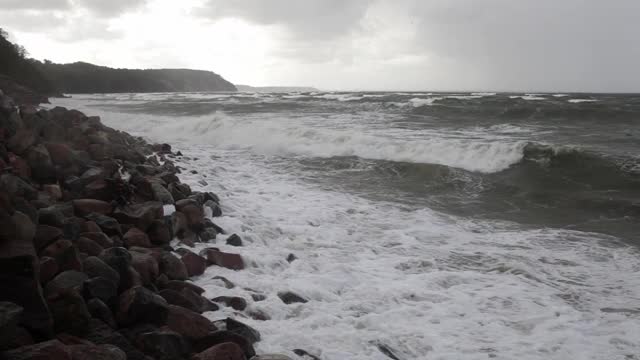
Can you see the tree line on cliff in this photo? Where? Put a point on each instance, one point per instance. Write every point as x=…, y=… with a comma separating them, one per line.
x=50, y=78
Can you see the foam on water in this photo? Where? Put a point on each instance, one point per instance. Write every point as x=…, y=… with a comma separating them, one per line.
x=424, y=285
x=577, y=101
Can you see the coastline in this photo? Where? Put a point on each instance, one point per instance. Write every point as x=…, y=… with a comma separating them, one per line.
x=97, y=232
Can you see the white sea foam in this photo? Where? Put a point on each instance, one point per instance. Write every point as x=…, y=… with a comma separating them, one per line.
x=577, y=101
x=529, y=97
x=425, y=285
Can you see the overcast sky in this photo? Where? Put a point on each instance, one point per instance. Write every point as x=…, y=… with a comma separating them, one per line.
x=543, y=45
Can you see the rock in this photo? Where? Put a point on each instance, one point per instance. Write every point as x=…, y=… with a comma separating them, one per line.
x=96, y=352
x=19, y=338
x=88, y=246
x=178, y=191
x=119, y=259
x=139, y=215
x=228, y=284
x=235, y=302
x=194, y=263
x=227, y=260
x=289, y=297
x=188, y=323
x=214, y=207
x=51, y=216
x=304, y=353
x=109, y=225
x=99, y=310
x=48, y=350
x=136, y=237
x=160, y=193
x=179, y=224
x=72, y=227
x=226, y=351
x=271, y=357
x=179, y=285
x=17, y=187
x=61, y=154
x=65, y=253
x=207, y=234
x=10, y=316
x=249, y=333
x=48, y=269
x=100, y=288
x=100, y=333
x=159, y=233
x=21, y=141
x=193, y=212
x=69, y=312
x=88, y=206
x=175, y=298
x=66, y=280
x=291, y=258
x=164, y=345
x=234, y=240
x=146, y=265
x=99, y=238
x=202, y=304
x=173, y=267
x=258, y=297
x=42, y=168
x=139, y=304
x=95, y=267
x=258, y=314
x=45, y=235
x=53, y=190
x=219, y=337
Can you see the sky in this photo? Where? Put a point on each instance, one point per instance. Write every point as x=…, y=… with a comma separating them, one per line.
x=473, y=45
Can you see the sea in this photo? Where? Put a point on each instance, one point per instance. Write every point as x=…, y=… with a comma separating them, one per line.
x=424, y=225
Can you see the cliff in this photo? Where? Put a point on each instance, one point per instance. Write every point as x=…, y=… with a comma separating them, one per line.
x=81, y=77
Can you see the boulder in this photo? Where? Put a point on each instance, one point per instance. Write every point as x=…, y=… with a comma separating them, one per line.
x=69, y=312
x=96, y=352
x=195, y=264
x=99, y=310
x=163, y=345
x=193, y=212
x=21, y=141
x=243, y=330
x=175, y=298
x=226, y=351
x=72, y=227
x=65, y=281
x=100, y=333
x=139, y=304
x=220, y=337
x=225, y=282
x=173, y=267
x=10, y=316
x=188, y=323
x=119, y=259
x=48, y=350
x=235, y=302
x=139, y=215
x=214, y=207
x=48, y=269
x=109, y=225
x=100, y=288
x=160, y=193
x=234, y=240
x=42, y=169
x=61, y=154
x=88, y=206
x=179, y=285
x=88, y=246
x=159, y=233
x=289, y=297
x=16, y=187
x=45, y=235
x=65, y=253
x=202, y=304
x=51, y=216
x=98, y=237
x=146, y=265
x=227, y=260
x=95, y=267
x=136, y=237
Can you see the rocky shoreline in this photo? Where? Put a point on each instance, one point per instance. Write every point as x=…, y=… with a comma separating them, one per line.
x=87, y=218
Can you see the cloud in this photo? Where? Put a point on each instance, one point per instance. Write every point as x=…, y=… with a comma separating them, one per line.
x=34, y=4
x=109, y=8
x=309, y=19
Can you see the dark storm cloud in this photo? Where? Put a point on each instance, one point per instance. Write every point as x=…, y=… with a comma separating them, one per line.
x=310, y=19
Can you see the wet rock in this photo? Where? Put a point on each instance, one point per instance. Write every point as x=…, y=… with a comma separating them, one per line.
x=96, y=352
x=289, y=297
x=202, y=304
x=17, y=187
x=88, y=246
x=19, y=338
x=244, y=330
x=53, y=190
x=99, y=310
x=119, y=259
x=194, y=213
x=219, y=337
x=179, y=285
x=72, y=227
x=48, y=269
x=234, y=240
x=175, y=298
x=291, y=258
x=95, y=267
x=194, y=263
x=227, y=260
x=257, y=314
x=88, y=206
x=173, y=267
x=108, y=225
x=99, y=238
x=48, y=350
x=139, y=215
x=228, y=284
x=235, y=302
x=140, y=305
x=227, y=351
x=69, y=312
x=42, y=169
x=100, y=333
x=51, y=216
x=45, y=235
x=304, y=353
x=164, y=345
x=61, y=154
x=146, y=265
x=65, y=281
x=160, y=193
x=136, y=237
x=258, y=297
x=179, y=224
x=207, y=235
x=65, y=254
x=100, y=288
x=271, y=357
x=10, y=316
x=21, y=141
x=188, y=323
x=159, y=233
x=214, y=207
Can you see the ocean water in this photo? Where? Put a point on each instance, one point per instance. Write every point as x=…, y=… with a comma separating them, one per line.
x=432, y=225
